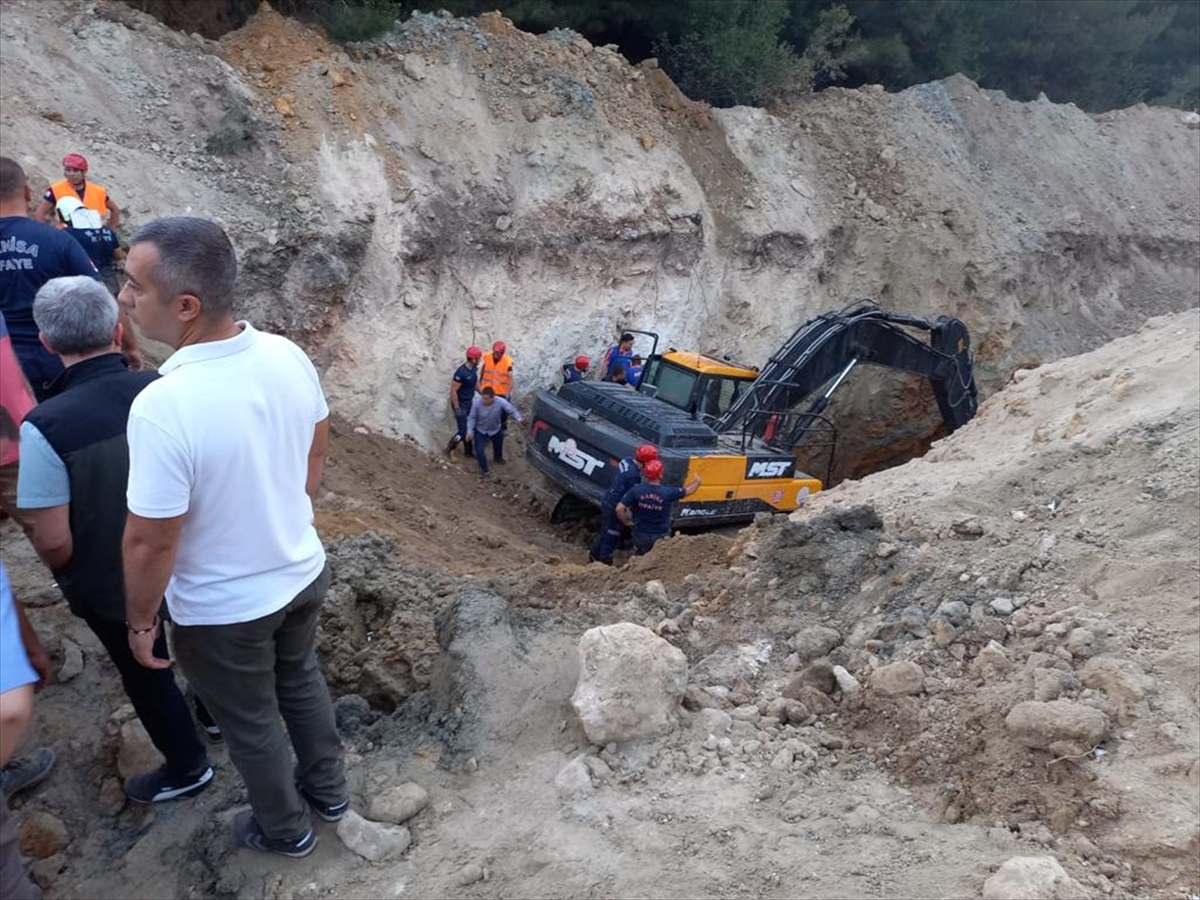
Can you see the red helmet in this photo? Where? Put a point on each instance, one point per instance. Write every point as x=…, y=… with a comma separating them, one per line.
x=645, y=453
x=499, y=347
x=474, y=353
x=654, y=469
x=582, y=362
x=74, y=161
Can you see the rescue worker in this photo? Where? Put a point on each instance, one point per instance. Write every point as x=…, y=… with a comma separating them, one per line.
x=100, y=241
x=629, y=472
x=633, y=371
x=462, y=392
x=575, y=371
x=484, y=424
x=496, y=372
x=74, y=182
x=647, y=507
x=617, y=355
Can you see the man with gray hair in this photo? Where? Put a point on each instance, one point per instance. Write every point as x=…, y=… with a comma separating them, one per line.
x=227, y=449
x=74, y=467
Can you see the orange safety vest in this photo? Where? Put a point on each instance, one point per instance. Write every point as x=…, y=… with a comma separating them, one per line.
x=496, y=375
x=94, y=196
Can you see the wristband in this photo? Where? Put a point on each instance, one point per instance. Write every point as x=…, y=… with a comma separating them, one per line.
x=147, y=630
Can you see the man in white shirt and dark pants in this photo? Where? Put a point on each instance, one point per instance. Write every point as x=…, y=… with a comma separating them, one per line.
x=226, y=451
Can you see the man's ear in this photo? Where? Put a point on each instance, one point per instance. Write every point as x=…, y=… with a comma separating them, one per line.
x=118, y=333
x=49, y=349
x=189, y=307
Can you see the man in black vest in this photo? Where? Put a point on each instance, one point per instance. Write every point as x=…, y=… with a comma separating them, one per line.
x=74, y=470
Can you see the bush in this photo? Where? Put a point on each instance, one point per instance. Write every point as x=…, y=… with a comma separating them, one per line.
x=729, y=52
x=347, y=21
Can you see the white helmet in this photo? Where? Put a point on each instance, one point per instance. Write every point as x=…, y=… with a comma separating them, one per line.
x=72, y=212
x=66, y=207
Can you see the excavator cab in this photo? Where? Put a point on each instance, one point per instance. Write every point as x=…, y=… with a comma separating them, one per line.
x=699, y=385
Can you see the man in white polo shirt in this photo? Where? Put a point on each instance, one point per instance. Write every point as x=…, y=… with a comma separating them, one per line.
x=226, y=451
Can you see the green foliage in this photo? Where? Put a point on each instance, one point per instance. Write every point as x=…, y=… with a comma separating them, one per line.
x=1099, y=54
x=831, y=47
x=730, y=52
x=346, y=21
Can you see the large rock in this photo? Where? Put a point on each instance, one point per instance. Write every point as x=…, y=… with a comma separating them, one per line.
x=813, y=643
x=1038, y=725
x=1032, y=878
x=137, y=752
x=898, y=679
x=398, y=803
x=374, y=841
x=41, y=835
x=630, y=683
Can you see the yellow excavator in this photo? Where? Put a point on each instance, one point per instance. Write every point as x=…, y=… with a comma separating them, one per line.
x=738, y=427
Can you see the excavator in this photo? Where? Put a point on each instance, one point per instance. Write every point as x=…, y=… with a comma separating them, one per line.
x=740, y=428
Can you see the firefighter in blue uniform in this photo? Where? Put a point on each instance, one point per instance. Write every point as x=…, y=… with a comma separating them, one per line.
x=462, y=392
x=628, y=474
x=575, y=371
x=646, y=507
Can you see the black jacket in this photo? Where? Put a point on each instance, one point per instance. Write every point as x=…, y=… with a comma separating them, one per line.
x=84, y=420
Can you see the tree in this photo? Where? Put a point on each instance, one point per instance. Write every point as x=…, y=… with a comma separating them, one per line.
x=830, y=47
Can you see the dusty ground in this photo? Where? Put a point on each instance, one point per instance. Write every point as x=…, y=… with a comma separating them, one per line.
x=1074, y=496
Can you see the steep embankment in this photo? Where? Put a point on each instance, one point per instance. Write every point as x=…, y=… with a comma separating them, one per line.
x=461, y=181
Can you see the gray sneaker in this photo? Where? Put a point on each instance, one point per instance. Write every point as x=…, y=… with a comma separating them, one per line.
x=26, y=772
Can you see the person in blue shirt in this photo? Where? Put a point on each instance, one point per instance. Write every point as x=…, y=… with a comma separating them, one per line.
x=647, y=507
x=31, y=253
x=484, y=423
x=575, y=370
x=617, y=356
x=462, y=393
x=98, y=240
x=633, y=371
x=17, y=681
x=629, y=473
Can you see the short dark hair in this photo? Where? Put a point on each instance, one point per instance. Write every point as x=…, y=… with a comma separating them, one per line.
x=12, y=179
x=626, y=337
x=637, y=360
x=195, y=257
x=488, y=392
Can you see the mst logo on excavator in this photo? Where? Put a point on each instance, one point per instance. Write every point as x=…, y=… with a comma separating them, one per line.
x=770, y=468
x=570, y=454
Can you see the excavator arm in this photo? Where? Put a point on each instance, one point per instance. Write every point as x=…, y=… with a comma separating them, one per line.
x=825, y=349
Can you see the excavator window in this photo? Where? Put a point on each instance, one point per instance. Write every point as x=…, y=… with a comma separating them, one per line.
x=675, y=385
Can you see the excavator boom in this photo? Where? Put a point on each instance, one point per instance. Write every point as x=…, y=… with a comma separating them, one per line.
x=826, y=348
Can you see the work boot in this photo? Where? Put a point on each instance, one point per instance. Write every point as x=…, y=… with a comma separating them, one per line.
x=450, y=446
x=26, y=772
